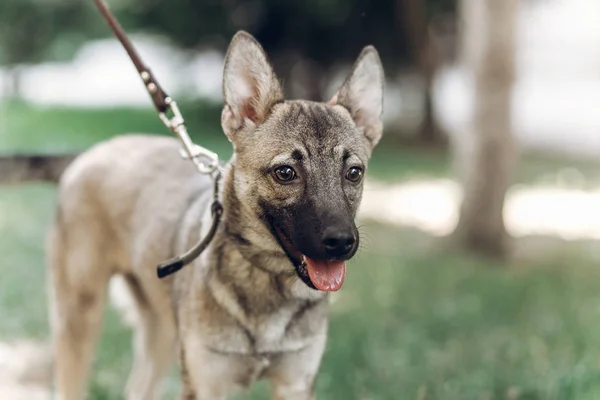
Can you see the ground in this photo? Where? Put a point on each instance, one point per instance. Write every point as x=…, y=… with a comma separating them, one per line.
x=413, y=321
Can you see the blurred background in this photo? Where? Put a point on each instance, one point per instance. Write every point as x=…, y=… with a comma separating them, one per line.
x=479, y=278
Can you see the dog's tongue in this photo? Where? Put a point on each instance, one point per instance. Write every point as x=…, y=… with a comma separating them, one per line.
x=327, y=276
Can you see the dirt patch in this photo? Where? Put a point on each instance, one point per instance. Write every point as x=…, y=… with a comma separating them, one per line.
x=25, y=370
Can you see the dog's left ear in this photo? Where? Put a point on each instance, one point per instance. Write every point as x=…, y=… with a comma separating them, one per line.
x=362, y=94
x=250, y=87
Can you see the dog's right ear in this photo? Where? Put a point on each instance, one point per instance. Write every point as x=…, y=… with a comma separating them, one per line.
x=250, y=87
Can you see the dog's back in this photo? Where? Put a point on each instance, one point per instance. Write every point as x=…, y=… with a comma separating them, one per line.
x=125, y=188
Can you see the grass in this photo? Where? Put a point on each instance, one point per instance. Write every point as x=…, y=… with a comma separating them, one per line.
x=411, y=322
x=25, y=128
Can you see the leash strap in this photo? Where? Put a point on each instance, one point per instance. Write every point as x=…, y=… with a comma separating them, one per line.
x=159, y=96
x=205, y=160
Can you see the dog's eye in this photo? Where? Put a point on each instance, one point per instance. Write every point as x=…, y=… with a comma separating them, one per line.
x=284, y=174
x=354, y=174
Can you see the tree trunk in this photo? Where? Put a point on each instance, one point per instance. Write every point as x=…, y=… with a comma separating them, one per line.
x=12, y=86
x=486, y=154
x=412, y=15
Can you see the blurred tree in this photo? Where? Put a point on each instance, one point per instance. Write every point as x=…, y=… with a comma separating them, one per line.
x=412, y=15
x=36, y=30
x=306, y=39
x=486, y=153
x=424, y=22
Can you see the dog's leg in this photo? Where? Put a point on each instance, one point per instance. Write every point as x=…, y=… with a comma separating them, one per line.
x=209, y=375
x=154, y=338
x=77, y=297
x=187, y=389
x=292, y=376
x=290, y=387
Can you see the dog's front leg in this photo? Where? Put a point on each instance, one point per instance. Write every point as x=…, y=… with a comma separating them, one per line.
x=200, y=381
x=293, y=374
x=287, y=385
x=291, y=392
x=210, y=375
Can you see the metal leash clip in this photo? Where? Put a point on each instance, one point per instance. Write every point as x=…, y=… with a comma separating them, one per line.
x=207, y=163
x=205, y=160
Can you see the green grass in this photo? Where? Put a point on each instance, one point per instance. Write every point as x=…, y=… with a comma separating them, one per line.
x=412, y=319
x=25, y=128
x=412, y=322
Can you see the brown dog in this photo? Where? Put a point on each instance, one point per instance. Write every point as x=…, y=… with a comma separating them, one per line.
x=253, y=305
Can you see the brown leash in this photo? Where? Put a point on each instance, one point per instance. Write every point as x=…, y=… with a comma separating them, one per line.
x=159, y=97
x=205, y=160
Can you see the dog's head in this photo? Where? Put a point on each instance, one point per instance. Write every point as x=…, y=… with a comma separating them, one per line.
x=300, y=165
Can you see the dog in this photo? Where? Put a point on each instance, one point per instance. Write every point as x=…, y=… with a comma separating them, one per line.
x=254, y=304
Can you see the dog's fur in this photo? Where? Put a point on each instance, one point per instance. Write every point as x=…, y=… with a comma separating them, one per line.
x=244, y=309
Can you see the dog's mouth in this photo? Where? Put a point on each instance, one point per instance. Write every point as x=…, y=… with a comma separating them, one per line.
x=326, y=275
x=323, y=275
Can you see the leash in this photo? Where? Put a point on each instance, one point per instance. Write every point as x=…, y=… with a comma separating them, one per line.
x=205, y=160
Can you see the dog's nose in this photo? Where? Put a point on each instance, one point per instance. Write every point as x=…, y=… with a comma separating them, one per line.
x=338, y=243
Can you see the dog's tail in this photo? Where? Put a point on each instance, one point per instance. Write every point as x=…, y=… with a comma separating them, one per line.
x=32, y=168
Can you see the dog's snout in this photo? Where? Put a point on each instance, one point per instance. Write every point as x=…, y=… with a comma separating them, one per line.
x=338, y=242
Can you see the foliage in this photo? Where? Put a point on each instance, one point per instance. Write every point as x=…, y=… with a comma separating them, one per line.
x=325, y=31
x=308, y=36
x=410, y=322
x=39, y=30
x=321, y=30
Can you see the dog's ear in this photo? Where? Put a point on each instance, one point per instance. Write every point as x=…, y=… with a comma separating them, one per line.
x=250, y=87
x=362, y=94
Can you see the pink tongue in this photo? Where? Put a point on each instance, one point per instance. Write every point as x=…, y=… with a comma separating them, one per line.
x=327, y=276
